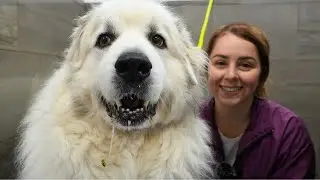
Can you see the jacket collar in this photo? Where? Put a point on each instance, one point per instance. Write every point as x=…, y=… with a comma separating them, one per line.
x=257, y=124
x=257, y=128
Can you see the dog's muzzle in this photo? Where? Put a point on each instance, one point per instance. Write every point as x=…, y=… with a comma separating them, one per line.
x=132, y=108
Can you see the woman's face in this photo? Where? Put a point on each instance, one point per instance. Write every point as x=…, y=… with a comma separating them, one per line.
x=234, y=70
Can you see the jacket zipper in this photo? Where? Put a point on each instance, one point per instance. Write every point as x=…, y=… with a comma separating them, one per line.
x=255, y=139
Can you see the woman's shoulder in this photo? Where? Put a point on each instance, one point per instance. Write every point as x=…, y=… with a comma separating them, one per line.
x=206, y=109
x=281, y=118
x=291, y=139
x=275, y=110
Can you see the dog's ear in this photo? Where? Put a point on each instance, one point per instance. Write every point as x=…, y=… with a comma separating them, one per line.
x=195, y=58
x=78, y=49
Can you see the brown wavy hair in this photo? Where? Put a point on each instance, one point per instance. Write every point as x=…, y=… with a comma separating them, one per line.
x=254, y=35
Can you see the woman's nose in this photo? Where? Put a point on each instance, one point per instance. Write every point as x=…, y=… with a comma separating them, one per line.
x=231, y=72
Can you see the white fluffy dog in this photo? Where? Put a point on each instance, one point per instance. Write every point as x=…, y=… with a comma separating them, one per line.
x=124, y=102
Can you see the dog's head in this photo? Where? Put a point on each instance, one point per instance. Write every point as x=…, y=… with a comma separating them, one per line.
x=138, y=63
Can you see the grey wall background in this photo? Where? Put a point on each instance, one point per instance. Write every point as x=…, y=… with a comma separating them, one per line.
x=34, y=34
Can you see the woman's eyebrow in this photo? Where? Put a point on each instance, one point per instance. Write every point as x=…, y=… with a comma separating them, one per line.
x=220, y=55
x=246, y=58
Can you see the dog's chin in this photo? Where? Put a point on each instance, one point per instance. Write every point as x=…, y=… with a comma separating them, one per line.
x=130, y=112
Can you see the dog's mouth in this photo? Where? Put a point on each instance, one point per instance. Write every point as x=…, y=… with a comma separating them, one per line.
x=131, y=111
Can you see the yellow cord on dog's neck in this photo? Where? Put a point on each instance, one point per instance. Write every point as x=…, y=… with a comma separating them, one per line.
x=103, y=162
x=205, y=24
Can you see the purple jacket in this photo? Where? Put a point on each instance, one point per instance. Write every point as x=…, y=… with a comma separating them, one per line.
x=276, y=143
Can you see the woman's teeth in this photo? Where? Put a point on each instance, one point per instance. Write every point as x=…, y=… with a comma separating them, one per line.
x=231, y=89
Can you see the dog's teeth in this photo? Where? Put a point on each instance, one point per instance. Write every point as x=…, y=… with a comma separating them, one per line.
x=122, y=109
x=118, y=103
x=146, y=103
x=129, y=122
x=128, y=109
x=141, y=109
x=131, y=96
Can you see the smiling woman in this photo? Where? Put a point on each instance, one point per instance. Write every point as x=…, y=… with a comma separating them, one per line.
x=252, y=137
x=234, y=70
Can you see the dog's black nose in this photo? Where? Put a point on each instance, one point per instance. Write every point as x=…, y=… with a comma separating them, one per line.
x=133, y=66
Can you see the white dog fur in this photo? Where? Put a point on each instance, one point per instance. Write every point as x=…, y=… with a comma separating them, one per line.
x=67, y=132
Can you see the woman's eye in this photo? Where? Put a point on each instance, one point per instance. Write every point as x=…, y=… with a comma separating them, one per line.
x=246, y=66
x=220, y=63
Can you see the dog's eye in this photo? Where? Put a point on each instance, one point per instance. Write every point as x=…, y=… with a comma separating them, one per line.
x=158, y=41
x=104, y=40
